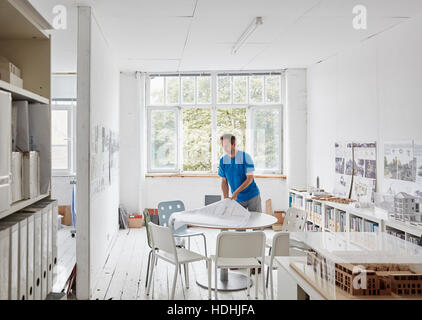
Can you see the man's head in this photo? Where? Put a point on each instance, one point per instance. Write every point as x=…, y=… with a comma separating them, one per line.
x=228, y=141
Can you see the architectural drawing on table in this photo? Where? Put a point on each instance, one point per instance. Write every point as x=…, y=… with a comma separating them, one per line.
x=406, y=207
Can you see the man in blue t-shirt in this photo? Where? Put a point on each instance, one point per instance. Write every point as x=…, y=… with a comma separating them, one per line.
x=236, y=169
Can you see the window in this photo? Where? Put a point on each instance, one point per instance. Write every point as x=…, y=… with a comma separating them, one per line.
x=163, y=132
x=62, y=144
x=187, y=114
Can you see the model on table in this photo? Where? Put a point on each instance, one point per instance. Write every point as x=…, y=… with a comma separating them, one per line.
x=237, y=170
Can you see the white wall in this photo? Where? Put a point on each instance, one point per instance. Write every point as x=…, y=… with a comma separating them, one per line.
x=370, y=93
x=130, y=143
x=98, y=104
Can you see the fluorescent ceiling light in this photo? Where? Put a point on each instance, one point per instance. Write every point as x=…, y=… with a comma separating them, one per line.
x=246, y=34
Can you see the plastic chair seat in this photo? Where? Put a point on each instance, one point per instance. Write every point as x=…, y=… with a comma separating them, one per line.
x=183, y=256
x=237, y=262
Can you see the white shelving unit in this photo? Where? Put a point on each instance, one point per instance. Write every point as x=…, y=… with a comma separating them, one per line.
x=25, y=43
x=355, y=219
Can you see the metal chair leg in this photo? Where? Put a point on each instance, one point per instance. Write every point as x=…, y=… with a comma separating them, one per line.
x=151, y=273
x=268, y=270
x=149, y=263
x=173, y=290
x=205, y=248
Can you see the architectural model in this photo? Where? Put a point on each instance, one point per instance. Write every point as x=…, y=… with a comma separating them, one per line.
x=381, y=279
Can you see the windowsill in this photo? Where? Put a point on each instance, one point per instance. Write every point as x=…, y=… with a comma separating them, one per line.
x=207, y=175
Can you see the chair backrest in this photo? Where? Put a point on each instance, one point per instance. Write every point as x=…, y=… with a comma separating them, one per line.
x=210, y=199
x=147, y=220
x=166, y=209
x=233, y=244
x=162, y=238
x=280, y=245
x=294, y=221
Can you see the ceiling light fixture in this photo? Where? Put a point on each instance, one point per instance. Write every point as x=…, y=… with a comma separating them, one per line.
x=246, y=34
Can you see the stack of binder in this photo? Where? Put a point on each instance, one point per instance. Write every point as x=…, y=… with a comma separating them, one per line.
x=13, y=257
x=28, y=252
x=4, y=262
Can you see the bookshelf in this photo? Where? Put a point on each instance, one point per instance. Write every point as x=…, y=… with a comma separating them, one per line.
x=325, y=216
x=25, y=43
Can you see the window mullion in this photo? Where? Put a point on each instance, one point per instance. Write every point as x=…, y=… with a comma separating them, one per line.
x=180, y=140
x=214, y=122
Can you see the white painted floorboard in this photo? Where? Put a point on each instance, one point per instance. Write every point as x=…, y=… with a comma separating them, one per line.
x=66, y=257
x=123, y=275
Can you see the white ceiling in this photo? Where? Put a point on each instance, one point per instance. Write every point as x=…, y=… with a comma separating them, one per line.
x=181, y=35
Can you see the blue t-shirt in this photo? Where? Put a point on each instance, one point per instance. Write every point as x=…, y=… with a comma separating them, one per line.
x=235, y=170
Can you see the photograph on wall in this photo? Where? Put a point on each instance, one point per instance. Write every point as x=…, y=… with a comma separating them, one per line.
x=365, y=171
x=399, y=161
x=343, y=168
x=340, y=165
x=417, y=153
x=363, y=189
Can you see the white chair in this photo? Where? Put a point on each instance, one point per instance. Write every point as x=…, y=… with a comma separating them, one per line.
x=294, y=221
x=164, y=247
x=280, y=247
x=240, y=250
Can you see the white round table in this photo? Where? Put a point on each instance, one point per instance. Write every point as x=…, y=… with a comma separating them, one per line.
x=235, y=281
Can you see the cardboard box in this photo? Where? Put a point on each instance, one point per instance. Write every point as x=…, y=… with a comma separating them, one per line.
x=135, y=221
x=66, y=213
x=7, y=65
x=11, y=78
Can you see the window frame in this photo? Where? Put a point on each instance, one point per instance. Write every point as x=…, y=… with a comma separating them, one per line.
x=214, y=106
x=68, y=105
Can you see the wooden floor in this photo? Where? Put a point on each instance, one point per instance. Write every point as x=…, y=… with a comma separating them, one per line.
x=66, y=257
x=123, y=275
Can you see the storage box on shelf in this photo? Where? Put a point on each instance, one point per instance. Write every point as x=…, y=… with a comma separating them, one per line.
x=326, y=215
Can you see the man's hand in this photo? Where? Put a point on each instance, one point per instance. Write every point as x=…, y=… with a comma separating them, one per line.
x=234, y=195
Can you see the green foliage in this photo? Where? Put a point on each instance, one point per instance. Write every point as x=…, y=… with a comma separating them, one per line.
x=197, y=139
x=231, y=120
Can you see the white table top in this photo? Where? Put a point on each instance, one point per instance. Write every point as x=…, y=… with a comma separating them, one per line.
x=256, y=221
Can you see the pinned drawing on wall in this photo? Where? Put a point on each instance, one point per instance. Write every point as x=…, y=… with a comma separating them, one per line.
x=403, y=167
x=344, y=168
x=104, y=158
x=355, y=170
x=365, y=171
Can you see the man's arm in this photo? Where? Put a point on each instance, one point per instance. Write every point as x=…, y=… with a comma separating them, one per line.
x=244, y=185
x=225, y=187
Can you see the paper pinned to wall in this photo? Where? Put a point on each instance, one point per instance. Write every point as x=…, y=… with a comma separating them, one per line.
x=226, y=213
x=355, y=170
x=403, y=167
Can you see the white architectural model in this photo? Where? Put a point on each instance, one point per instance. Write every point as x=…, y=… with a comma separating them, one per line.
x=406, y=207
